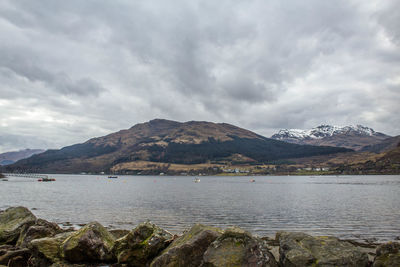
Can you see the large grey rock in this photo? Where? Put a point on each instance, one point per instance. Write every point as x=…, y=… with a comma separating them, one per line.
x=299, y=249
x=236, y=247
x=188, y=249
x=40, y=229
x=92, y=243
x=48, y=249
x=12, y=221
x=141, y=245
x=387, y=255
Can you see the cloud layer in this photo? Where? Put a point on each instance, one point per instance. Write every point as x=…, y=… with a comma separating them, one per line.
x=71, y=70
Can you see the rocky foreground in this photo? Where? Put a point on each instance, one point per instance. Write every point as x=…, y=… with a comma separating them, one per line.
x=28, y=241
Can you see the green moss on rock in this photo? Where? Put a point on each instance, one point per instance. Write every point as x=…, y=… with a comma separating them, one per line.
x=49, y=247
x=300, y=249
x=92, y=243
x=141, y=244
x=236, y=247
x=188, y=249
x=12, y=221
x=387, y=254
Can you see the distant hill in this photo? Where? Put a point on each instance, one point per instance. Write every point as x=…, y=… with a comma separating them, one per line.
x=387, y=163
x=11, y=157
x=383, y=146
x=167, y=141
x=353, y=137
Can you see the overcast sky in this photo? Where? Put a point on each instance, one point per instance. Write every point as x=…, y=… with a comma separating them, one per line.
x=72, y=70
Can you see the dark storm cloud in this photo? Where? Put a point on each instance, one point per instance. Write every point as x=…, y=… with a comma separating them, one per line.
x=71, y=70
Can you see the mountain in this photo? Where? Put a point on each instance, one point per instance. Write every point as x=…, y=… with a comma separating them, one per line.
x=11, y=157
x=386, y=163
x=384, y=146
x=164, y=141
x=353, y=137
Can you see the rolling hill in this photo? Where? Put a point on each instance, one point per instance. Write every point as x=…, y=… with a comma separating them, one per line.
x=165, y=141
x=13, y=156
x=384, y=146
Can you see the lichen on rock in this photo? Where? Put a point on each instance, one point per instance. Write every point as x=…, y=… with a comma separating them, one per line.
x=141, y=244
x=236, y=247
x=92, y=243
x=387, y=254
x=188, y=249
x=48, y=248
x=12, y=221
x=40, y=229
x=300, y=249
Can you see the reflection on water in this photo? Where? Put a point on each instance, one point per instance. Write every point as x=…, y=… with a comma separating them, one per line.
x=346, y=206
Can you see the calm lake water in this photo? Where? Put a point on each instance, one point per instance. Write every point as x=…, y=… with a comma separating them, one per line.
x=355, y=207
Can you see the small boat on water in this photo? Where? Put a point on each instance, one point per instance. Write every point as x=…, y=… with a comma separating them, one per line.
x=196, y=180
x=112, y=177
x=4, y=179
x=46, y=180
x=252, y=180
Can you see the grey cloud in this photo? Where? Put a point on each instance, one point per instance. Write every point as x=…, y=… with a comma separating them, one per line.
x=79, y=69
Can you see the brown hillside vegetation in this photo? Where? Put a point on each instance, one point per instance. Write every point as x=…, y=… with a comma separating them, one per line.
x=164, y=141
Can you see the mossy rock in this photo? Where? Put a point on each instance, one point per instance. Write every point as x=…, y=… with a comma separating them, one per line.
x=40, y=229
x=12, y=221
x=92, y=243
x=141, y=244
x=236, y=247
x=48, y=248
x=387, y=254
x=188, y=249
x=118, y=233
x=300, y=249
x=15, y=257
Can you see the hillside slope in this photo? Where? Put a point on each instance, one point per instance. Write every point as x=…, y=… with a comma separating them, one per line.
x=13, y=156
x=384, y=146
x=353, y=137
x=167, y=141
x=387, y=163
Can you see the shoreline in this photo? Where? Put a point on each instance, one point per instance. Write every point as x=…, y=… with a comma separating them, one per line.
x=25, y=239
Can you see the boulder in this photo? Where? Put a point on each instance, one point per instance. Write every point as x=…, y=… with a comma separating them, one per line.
x=12, y=221
x=48, y=249
x=387, y=254
x=141, y=245
x=299, y=249
x=118, y=233
x=15, y=257
x=92, y=243
x=40, y=229
x=236, y=247
x=188, y=249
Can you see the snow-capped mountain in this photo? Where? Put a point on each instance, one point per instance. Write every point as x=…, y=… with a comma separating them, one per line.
x=354, y=137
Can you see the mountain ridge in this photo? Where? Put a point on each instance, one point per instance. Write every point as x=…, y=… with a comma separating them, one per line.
x=168, y=141
x=353, y=137
x=13, y=156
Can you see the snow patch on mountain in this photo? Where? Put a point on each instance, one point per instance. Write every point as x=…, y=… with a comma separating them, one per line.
x=323, y=131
